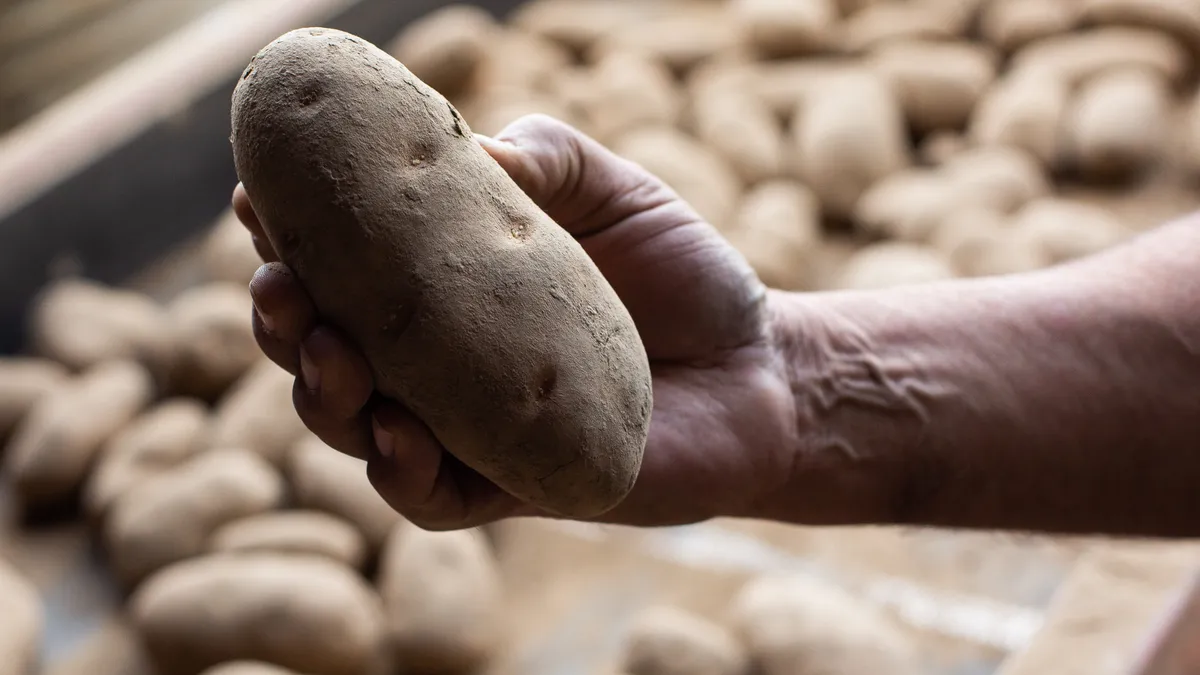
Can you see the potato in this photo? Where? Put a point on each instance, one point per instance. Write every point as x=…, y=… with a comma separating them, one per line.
x=227, y=251
x=624, y=91
x=835, y=250
x=247, y=668
x=1002, y=177
x=849, y=138
x=787, y=28
x=740, y=128
x=578, y=24
x=1118, y=125
x=326, y=480
x=1067, y=229
x=21, y=622
x=52, y=449
x=302, y=613
x=669, y=641
x=298, y=532
x=937, y=83
x=445, y=47
x=908, y=205
x=891, y=264
x=170, y=517
x=778, y=230
x=693, y=170
x=1076, y=57
x=81, y=323
x=1025, y=109
x=517, y=60
x=490, y=116
x=213, y=339
x=685, y=38
x=1180, y=18
x=792, y=625
x=257, y=414
x=785, y=86
x=441, y=597
x=1012, y=24
x=161, y=438
x=1192, y=132
x=978, y=242
x=883, y=22
x=940, y=147
x=24, y=381
x=499, y=372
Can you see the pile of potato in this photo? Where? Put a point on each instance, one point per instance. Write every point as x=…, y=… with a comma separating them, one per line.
x=853, y=143
x=836, y=143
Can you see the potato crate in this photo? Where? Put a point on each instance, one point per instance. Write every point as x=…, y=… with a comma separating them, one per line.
x=123, y=172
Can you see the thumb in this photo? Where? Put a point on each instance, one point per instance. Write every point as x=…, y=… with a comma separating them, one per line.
x=578, y=182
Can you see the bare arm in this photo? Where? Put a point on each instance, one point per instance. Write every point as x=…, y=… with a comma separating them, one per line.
x=1066, y=400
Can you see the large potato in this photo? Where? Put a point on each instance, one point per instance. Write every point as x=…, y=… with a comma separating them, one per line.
x=213, y=340
x=669, y=641
x=23, y=382
x=303, y=613
x=297, y=532
x=441, y=597
x=1066, y=229
x=257, y=414
x=21, y=622
x=1119, y=125
x=53, y=448
x=170, y=517
x=160, y=439
x=624, y=91
x=326, y=480
x=474, y=309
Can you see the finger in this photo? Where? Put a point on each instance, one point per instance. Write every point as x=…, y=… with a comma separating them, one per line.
x=579, y=183
x=244, y=211
x=332, y=392
x=283, y=314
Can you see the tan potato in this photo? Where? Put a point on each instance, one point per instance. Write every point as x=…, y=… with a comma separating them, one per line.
x=257, y=414
x=579, y=24
x=1013, y=24
x=21, y=622
x=795, y=626
x=1002, y=177
x=489, y=116
x=835, y=251
x=937, y=83
x=1192, y=132
x=53, y=448
x=1076, y=57
x=625, y=91
x=742, y=129
x=213, y=339
x=296, y=532
x=498, y=372
x=940, y=147
x=978, y=242
x=669, y=641
x=442, y=599
x=227, y=252
x=25, y=380
x=81, y=323
x=849, y=138
x=693, y=170
x=1025, y=109
x=302, y=613
x=787, y=28
x=785, y=86
x=778, y=230
x=1180, y=18
x=170, y=516
x=161, y=438
x=908, y=205
x=1067, y=229
x=516, y=60
x=1118, y=125
x=326, y=480
x=892, y=264
x=445, y=47
x=247, y=668
x=683, y=39
x=882, y=22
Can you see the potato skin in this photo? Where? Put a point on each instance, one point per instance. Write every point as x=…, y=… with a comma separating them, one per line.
x=473, y=308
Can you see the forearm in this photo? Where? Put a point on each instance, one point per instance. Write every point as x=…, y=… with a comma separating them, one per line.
x=1066, y=400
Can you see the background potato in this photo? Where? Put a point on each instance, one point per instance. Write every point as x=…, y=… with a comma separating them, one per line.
x=163, y=437
x=170, y=517
x=24, y=381
x=453, y=329
x=446, y=46
x=227, y=252
x=937, y=83
x=668, y=641
x=213, y=342
x=247, y=668
x=787, y=28
x=298, y=532
x=53, y=447
x=257, y=414
x=890, y=264
x=778, y=230
x=21, y=622
x=1025, y=109
x=1119, y=124
x=1076, y=57
x=302, y=613
x=441, y=597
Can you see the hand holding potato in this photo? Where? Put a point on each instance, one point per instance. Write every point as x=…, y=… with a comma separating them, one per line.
x=720, y=397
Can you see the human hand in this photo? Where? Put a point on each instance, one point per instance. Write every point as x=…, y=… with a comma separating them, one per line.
x=723, y=429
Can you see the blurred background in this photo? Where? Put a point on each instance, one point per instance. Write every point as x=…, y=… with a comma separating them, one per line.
x=163, y=511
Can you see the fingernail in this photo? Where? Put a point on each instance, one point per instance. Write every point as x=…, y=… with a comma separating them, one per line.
x=308, y=371
x=384, y=441
x=268, y=323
